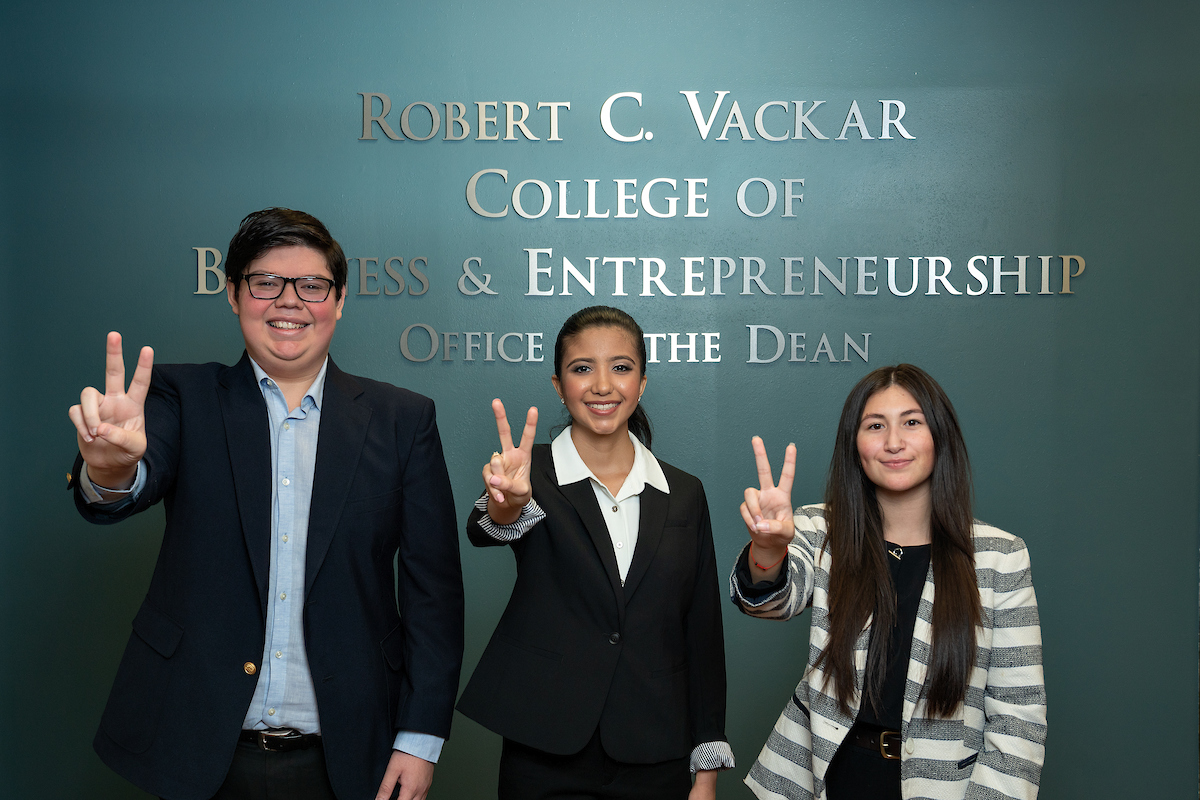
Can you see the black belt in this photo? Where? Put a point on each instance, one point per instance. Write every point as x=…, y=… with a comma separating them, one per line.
x=872, y=737
x=281, y=740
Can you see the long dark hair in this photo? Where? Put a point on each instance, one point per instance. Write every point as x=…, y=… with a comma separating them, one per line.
x=607, y=317
x=860, y=584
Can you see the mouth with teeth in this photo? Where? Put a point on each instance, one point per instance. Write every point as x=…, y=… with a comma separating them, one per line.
x=602, y=408
x=287, y=326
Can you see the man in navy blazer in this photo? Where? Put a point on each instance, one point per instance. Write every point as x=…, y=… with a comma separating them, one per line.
x=282, y=649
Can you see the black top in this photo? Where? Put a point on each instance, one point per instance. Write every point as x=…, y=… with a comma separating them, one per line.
x=909, y=567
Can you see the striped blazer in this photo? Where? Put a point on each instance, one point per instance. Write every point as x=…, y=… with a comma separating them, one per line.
x=994, y=745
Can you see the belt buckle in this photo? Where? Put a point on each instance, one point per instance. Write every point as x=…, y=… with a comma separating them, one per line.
x=889, y=748
x=274, y=740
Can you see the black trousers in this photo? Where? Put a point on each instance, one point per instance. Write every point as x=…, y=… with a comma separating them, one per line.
x=590, y=774
x=258, y=775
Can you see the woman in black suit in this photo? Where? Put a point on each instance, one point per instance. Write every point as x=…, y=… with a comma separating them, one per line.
x=606, y=673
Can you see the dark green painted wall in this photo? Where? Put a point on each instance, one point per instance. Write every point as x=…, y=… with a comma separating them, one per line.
x=132, y=134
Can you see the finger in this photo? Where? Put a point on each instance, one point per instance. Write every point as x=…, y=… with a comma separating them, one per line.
x=789, y=470
x=123, y=440
x=752, y=502
x=390, y=776
x=502, y=425
x=75, y=412
x=762, y=464
x=748, y=518
x=140, y=385
x=531, y=418
x=489, y=472
x=89, y=402
x=114, y=365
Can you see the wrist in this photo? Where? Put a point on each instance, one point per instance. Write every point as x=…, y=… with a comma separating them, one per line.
x=766, y=558
x=117, y=480
x=501, y=514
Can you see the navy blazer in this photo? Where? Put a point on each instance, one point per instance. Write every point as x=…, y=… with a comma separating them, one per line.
x=385, y=653
x=577, y=650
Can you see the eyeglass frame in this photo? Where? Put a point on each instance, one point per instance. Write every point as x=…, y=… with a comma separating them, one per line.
x=246, y=277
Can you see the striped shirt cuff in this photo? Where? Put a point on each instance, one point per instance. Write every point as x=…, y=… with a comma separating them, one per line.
x=712, y=755
x=531, y=515
x=754, y=595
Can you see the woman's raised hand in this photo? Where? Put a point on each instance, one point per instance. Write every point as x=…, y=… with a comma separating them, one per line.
x=506, y=475
x=767, y=510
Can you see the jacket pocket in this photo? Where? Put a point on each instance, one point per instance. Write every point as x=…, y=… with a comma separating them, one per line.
x=135, y=704
x=372, y=503
x=968, y=761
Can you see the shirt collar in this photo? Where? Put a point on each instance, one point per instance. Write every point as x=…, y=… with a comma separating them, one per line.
x=569, y=467
x=315, y=393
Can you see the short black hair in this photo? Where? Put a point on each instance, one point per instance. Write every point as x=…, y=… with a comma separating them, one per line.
x=265, y=230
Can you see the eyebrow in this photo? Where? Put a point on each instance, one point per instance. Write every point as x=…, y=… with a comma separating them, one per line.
x=902, y=413
x=590, y=360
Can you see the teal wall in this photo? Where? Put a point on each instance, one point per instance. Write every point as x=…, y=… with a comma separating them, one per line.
x=135, y=132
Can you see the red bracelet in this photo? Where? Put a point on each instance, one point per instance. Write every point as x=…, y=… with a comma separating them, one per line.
x=754, y=560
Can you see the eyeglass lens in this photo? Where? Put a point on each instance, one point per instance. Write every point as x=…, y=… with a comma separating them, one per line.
x=269, y=287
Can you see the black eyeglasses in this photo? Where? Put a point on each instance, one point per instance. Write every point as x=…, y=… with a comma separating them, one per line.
x=310, y=289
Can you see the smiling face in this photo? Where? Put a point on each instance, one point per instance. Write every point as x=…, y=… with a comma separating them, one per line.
x=895, y=444
x=601, y=381
x=287, y=337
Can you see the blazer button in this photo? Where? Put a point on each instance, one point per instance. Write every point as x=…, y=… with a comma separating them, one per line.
x=249, y=668
x=614, y=638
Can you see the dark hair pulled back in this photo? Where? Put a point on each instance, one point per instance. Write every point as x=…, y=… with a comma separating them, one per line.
x=607, y=317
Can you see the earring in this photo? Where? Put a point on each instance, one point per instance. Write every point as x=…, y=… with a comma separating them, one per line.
x=562, y=400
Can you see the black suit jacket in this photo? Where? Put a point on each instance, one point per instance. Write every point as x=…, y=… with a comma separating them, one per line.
x=384, y=651
x=576, y=651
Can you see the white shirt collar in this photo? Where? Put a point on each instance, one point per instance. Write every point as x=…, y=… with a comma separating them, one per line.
x=316, y=391
x=569, y=467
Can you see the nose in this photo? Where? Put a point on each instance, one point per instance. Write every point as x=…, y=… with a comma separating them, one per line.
x=289, y=297
x=895, y=439
x=602, y=383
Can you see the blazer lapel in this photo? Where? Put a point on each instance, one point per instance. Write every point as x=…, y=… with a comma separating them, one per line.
x=651, y=520
x=339, y=444
x=583, y=500
x=248, y=440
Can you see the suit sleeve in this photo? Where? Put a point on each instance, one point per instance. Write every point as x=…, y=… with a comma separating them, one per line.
x=706, y=639
x=159, y=463
x=1014, y=703
x=430, y=586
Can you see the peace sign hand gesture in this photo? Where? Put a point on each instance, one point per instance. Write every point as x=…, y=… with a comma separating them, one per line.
x=767, y=512
x=506, y=475
x=111, y=427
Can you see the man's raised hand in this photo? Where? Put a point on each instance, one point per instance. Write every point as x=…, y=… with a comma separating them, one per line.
x=111, y=427
x=506, y=475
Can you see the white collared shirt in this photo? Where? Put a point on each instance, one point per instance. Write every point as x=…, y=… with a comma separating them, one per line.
x=622, y=512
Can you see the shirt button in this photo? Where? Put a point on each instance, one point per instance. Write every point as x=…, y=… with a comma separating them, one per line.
x=283, y=595
x=614, y=638
x=270, y=712
x=620, y=545
x=287, y=427
x=286, y=482
x=279, y=654
x=615, y=509
x=285, y=537
x=249, y=668
x=910, y=745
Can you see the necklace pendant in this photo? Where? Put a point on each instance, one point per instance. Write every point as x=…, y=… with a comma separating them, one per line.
x=896, y=552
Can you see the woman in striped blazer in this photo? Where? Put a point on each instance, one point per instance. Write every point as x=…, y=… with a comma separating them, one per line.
x=924, y=677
